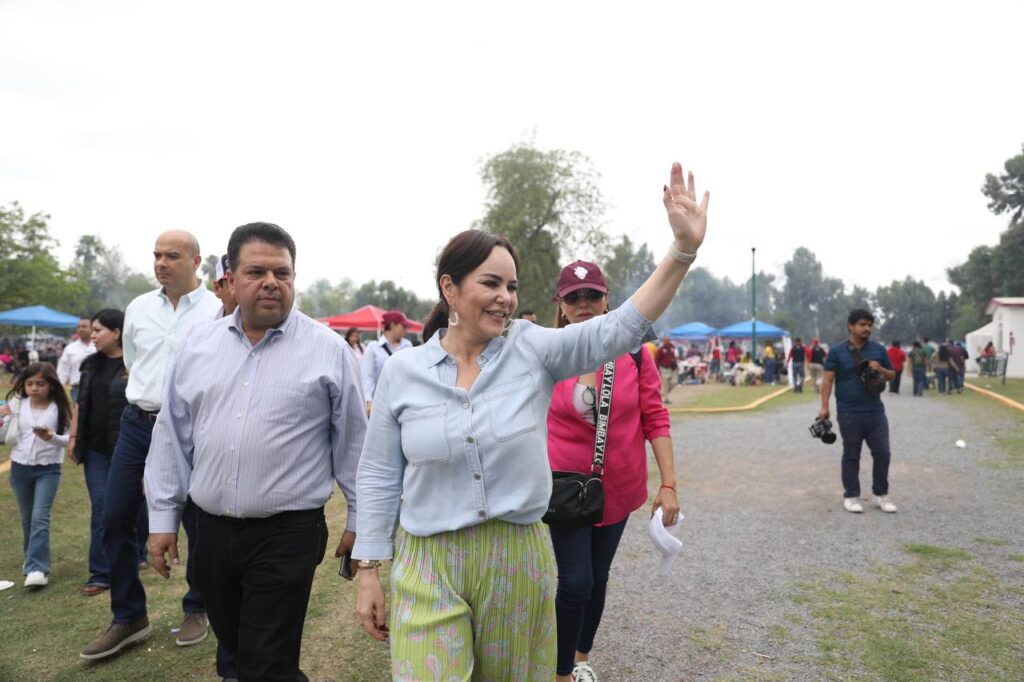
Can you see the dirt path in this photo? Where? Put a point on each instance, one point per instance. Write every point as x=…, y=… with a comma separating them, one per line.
x=763, y=510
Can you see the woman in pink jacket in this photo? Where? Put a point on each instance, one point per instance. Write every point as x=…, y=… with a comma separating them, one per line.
x=584, y=555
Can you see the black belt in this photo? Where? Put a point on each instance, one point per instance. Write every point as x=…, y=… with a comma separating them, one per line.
x=146, y=414
x=250, y=521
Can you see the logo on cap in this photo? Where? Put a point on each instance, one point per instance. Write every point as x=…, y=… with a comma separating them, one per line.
x=580, y=272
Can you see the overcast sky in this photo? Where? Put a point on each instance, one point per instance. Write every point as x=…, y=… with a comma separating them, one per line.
x=863, y=133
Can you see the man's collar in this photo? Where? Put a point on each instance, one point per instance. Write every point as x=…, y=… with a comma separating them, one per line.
x=191, y=295
x=237, y=326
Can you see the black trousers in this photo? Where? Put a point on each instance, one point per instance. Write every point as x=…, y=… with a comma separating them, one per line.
x=256, y=575
x=858, y=428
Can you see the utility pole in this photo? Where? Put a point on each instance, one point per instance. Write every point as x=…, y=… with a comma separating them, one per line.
x=753, y=306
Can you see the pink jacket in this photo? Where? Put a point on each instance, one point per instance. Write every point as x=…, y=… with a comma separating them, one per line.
x=636, y=414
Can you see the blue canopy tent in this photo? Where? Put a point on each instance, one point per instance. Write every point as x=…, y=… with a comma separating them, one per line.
x=692, y=331
x=745, y=330
x=38, y=316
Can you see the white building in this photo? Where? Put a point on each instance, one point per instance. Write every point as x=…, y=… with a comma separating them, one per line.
x=1007, y=329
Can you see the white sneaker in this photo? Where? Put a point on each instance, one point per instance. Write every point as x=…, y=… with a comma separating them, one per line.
x=582, y=672
x=36, y=579
x=885, y=505
x=851, y=504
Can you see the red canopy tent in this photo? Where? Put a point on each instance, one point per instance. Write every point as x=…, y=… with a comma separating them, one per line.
x=367, y=318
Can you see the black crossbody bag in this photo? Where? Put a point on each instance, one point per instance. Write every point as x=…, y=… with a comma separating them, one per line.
x=577, y=499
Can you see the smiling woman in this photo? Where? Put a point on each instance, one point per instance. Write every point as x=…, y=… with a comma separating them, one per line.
x=456, y=453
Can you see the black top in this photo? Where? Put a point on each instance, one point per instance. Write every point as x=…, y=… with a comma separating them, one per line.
x=99, y=402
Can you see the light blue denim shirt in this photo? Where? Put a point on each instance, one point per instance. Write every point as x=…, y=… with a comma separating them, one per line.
x=447, y=458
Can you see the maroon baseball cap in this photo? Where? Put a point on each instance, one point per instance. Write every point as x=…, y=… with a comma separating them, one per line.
x=392, y=316
x=580, y=274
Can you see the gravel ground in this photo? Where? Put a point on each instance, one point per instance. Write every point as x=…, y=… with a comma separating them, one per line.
x=763, y=506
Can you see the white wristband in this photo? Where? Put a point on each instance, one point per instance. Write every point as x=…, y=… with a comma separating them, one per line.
x=680, y=257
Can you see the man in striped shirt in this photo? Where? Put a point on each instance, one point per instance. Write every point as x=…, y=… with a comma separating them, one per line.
x=263, y=413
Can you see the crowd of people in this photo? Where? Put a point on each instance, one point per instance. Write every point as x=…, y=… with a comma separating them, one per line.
x=232, y=415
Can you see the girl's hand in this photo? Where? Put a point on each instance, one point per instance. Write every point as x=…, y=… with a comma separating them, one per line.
x=5, y=410
x=689, y=220
x=43, y=433
x=669, y=503
x=71, y=450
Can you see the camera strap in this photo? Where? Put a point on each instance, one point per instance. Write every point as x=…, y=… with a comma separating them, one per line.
x=858, y=359
x=604, y=408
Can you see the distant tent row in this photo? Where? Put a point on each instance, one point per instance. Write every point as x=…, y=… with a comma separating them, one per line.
x=698, y=331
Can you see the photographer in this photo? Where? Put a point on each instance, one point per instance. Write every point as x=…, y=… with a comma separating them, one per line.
x=860, y=367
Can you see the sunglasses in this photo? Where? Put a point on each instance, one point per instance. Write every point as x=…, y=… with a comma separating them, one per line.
x=591, y=295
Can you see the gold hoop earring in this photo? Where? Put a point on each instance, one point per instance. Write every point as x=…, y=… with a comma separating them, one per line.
x=453, y=318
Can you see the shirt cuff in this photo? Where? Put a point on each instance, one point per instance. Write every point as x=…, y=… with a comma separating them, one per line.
x=632, y=318
x=163, y=521
x=350, y=520
x=369, y=549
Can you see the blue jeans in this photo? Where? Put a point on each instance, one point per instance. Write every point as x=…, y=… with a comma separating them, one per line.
x=35, y=487
x=919, y=380
x=798, y=377
x=97, y=467
x=942, y=375
x=856, y=428
x=584, y=557
x=769, y=371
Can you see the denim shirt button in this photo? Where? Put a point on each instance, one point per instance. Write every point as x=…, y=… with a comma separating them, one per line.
x=469, y=439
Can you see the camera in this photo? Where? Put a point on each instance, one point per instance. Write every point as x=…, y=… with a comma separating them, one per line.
x=872, y=379
x=822, y=428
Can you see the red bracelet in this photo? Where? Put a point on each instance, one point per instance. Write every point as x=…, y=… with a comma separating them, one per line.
x=670, y=487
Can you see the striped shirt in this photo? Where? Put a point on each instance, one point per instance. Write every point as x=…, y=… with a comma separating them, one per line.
x=250, y=431
x=439, y=458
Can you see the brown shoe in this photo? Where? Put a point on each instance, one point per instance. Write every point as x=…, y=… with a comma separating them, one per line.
x=116, y=637
x=93, y=590
x=193, y=629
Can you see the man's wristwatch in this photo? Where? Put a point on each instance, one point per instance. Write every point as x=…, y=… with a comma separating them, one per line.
x=367, y=563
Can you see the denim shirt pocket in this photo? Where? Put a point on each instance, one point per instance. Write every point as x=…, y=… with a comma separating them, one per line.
x=424, y=434
x=511, y=408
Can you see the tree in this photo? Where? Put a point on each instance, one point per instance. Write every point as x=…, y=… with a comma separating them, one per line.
x=209, y=268
x=804, y=294
x=322, y=299
x=29, y=273
x=626, y=268
x=908, y=309
x=106, y=280
x=547, y=203
x=388, y=295
x=705, y=298
x=1005, y=192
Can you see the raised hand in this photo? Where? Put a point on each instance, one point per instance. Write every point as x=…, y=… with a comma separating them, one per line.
x=689, y=220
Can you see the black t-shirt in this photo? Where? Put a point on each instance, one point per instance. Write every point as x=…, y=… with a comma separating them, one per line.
x=99, y=401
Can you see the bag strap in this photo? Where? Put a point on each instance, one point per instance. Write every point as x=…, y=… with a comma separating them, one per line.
x=604, y=408
x=384, y=345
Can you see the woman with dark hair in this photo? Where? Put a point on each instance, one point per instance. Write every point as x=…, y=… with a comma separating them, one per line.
x=42, y=409
x=94, y=430
x=456, y=454
x=636, y=414
x=352, y=339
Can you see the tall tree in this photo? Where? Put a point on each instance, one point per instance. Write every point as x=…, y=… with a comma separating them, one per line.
x=388, y=295
x=908, y=309
x=804, y=293
x=209, y=268
x=1005, y=192
x=549, y=205
x=106, y=280
x=29, y=273
x=323, y=299
x=626, y=268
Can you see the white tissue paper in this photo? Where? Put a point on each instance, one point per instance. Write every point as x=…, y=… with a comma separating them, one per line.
x=664, y=540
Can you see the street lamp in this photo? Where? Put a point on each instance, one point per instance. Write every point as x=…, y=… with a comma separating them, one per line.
x=753, y=306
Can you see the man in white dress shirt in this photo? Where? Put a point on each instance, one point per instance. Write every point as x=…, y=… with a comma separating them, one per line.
x=377, y=353
x=155, y=324
x=70, y=363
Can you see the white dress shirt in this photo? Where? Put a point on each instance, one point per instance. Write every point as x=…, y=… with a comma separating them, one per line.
x=153, y=331
x=251, y=431
x=70, y=365
x=31, y=450
x=373, y=362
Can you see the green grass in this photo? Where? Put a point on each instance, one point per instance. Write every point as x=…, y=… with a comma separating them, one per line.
x=995, y=542
x=42, y=632
x=722, y=395
x=1002, y=424
x=1012, y=389
x=940, y=617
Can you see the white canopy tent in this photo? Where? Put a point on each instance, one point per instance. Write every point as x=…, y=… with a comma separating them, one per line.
x=976, y=341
